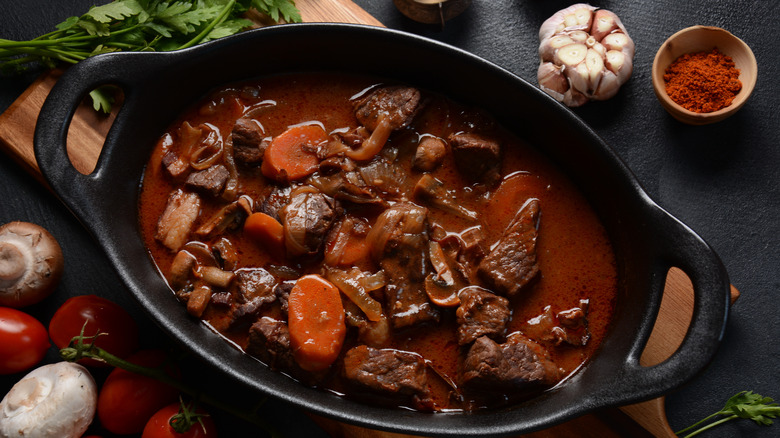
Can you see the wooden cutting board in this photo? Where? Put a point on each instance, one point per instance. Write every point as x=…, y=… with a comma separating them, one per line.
x=85, y=139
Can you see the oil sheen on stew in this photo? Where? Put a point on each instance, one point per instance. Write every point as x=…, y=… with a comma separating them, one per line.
x=378, y=241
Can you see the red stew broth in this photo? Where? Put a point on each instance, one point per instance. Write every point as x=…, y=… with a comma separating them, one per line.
x=574, y=253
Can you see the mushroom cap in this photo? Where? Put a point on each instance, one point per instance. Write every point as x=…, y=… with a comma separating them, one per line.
x=31, y=264
x=55, y=400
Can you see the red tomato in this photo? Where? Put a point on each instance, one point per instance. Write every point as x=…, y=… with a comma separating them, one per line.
x=23, y=341
x=101, y=315
x=159, y=426
x=127, y=400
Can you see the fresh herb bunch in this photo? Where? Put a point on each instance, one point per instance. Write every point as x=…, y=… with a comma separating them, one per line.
x=745, y=404
x=138, y=25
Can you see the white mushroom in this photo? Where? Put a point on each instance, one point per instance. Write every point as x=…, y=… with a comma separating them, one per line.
x=585, y=54
x=56, y=400
x=31, y=264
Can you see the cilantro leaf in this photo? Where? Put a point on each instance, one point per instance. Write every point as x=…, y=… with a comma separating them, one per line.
x=116, y=10
x=138, y=25
x=745, y=404
x=102, y=99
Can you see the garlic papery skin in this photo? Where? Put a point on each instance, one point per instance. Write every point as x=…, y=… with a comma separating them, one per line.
x=585, y=54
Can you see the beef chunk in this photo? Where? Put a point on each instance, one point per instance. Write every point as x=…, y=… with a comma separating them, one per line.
x=174, y=165
x=399, y=242
x=278, y=198
x=567, y=326
x=269, y=341
x=248, y=144
x=516, y=365
x=429, y=154
x=256, y=284
x=256, y=289
x=478, y=158
x=481, y=313
x=176, y=222
x=282, y=292
x=397, y=104
x=307, y=219
x=388, y=371
x=210, y=180
x=511, y=265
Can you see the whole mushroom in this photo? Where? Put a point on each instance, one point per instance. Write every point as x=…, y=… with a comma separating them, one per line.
x=585, y=53
x=31, y=264
x=55, y=400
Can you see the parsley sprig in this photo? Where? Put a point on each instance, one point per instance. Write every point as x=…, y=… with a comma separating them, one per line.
x=745, y=404
x=140, y=25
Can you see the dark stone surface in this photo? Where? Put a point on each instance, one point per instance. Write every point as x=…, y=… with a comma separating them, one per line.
x=722, y=180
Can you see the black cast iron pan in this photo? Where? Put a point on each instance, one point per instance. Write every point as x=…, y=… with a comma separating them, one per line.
x=159, y=86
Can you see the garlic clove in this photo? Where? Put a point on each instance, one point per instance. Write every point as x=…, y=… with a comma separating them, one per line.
x=598, y=47
x=615, y=60
x=579, y=36
x=595, y=67
x=608, y=87
x=604, y=23
x=571, y=55
x=618, y=41
x=556, y=24
x=579, y=17
x=573, y=98
x=552, y=80
x=549, y=46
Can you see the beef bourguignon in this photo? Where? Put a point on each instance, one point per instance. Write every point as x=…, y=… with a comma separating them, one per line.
x=379, y=241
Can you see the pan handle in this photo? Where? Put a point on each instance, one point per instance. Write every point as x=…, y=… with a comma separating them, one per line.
x=51, y=131
x=679, y=246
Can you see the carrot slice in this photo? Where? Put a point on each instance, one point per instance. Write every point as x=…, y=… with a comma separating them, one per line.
x=266, y=230
x=316, y=322
x=291, y=155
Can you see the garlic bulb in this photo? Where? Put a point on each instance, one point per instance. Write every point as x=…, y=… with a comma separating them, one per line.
x=585, y=53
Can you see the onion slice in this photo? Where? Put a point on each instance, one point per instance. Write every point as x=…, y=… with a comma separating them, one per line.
x=350, y=285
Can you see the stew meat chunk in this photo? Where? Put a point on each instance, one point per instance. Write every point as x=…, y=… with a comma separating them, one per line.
x=518, y=364
x=481, y=313
x=389, y=371
x=511, y=265
x=400, y=242
x=395, y=216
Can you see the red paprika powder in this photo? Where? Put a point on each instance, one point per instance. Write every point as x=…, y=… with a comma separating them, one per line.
x=703, y=82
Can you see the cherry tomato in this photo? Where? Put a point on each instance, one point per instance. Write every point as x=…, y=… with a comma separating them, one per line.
x=159, y=426
x=23, y=341
x=127, y=400
x=101, y=315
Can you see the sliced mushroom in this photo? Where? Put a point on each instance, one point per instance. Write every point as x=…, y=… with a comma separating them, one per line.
x=432, y=191
x=230, y=216
x=429, y=154
x=382, y=111
x=31, y=264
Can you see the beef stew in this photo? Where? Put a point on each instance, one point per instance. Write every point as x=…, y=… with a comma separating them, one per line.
x=471, y=272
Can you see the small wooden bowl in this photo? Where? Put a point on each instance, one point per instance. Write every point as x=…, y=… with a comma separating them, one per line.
x=698, y=39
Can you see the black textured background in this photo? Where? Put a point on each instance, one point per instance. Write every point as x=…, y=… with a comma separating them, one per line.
x=722, y=180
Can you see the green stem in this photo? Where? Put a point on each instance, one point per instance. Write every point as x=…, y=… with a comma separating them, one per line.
x=694, y=425
x=79, y=349
x=220, y=18
x=711, y=425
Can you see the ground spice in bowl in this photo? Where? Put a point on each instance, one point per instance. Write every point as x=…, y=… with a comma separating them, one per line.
x=703, y=82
